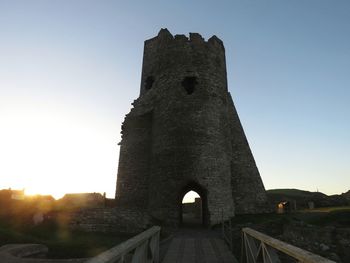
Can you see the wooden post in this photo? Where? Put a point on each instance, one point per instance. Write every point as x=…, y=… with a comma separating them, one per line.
x=242, y=247
x=223, y=223
x=230, y=233
x=138, y=246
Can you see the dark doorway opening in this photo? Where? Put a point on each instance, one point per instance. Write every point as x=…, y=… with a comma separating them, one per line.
x=193, y=206
x=192, y=209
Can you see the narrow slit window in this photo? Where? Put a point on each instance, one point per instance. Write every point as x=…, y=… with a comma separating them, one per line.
x=149, y=82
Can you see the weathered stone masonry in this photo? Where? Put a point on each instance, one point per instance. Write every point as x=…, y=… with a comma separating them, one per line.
x=183, y=133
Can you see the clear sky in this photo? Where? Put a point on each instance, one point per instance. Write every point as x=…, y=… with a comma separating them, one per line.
x=70, y=69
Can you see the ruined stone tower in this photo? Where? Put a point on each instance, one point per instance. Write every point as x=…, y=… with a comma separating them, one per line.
x=184, y=134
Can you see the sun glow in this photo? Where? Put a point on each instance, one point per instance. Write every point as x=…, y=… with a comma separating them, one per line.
x=48, y=149
x=190, y=197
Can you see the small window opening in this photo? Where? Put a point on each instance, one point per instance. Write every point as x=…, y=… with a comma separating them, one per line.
x=149, y=82
x=189, y=84
x=192, y=209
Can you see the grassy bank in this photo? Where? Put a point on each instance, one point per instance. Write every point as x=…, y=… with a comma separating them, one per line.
x=337, y=216
x=62, y=242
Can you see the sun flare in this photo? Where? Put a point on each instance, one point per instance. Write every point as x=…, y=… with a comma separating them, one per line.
x=45, y=150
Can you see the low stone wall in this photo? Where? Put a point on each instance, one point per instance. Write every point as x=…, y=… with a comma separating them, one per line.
x=115, y=220
x=29, y=253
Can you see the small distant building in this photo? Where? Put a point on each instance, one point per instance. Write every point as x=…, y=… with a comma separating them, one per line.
x=82, y=200
x=283, y=207
x=286, y=206
x=17, y=195
x=9, y=194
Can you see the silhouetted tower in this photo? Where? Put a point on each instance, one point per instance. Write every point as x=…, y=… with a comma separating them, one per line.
x=184, y=134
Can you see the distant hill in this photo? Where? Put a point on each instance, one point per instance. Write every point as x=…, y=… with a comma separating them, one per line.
x=302, y=198
x=293, y=192
x=346, y=195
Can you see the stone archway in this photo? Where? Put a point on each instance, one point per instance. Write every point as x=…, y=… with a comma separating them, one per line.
x=202, y=192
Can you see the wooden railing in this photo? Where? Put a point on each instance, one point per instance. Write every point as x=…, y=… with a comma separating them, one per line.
x=139, y=249
x=258, y=247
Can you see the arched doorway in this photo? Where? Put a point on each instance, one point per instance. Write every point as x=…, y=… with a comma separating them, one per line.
x=193, y=206
x=192, y=209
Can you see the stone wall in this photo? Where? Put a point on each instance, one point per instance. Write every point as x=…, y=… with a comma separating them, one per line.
x=247, y=187
x=112, y=220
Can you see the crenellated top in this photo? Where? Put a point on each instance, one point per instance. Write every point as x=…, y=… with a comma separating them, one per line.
x=170, y=61
x=164, y=36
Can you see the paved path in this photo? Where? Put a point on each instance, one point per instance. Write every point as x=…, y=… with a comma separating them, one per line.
x=197, y=246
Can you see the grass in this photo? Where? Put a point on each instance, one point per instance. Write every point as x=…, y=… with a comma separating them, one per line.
x=62, y=242
x=330, y=209
x=332, y=216
x=258, y=218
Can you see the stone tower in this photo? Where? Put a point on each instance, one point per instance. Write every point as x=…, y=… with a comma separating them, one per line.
x=183, y=133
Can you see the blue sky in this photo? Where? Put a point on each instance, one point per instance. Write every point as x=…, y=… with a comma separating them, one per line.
x=69, y=71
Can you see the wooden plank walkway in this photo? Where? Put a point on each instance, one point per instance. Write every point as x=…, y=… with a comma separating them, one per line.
x=197, y=247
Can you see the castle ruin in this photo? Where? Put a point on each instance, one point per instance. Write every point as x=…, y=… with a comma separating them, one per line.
x=183, y=133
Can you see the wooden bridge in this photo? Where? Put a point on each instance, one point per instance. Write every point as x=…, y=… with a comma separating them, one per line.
x=185, y=246
x=204, y=246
